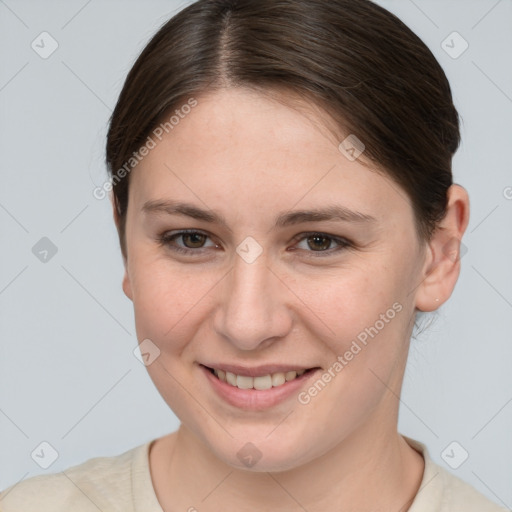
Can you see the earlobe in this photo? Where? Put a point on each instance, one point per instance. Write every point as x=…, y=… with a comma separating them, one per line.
x=445, y=249
x=127, y=288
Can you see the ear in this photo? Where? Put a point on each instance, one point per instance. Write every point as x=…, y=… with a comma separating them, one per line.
x=127, y=289
x=442, y=263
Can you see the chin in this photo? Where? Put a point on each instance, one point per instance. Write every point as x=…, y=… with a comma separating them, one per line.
x=272, y=453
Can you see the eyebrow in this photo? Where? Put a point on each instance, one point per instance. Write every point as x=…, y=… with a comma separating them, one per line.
x=286, y=218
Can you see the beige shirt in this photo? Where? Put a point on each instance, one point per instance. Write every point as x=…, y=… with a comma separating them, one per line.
x=123, y=483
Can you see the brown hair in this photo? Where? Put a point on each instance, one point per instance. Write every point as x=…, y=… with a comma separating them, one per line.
x=352, y=58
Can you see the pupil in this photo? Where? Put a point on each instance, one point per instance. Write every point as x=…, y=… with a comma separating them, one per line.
x=197, y=241
x=324, y=245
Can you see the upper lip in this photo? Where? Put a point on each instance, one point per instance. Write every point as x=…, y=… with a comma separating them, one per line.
x=257, y=371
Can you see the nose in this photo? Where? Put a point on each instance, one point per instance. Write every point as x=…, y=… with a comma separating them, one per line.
x=253, y=307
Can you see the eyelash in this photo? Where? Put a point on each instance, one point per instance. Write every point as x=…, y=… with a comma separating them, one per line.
x=166, y=240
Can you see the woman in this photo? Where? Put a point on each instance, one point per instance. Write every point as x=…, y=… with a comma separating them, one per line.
x=282, y=190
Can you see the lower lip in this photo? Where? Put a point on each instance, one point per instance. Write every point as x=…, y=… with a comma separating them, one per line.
x=256, y=399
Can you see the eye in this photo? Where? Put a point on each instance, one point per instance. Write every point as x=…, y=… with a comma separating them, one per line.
x=322, y=243
x=193, y=241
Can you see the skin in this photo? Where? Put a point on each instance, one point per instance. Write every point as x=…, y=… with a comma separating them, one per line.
x=250, y=157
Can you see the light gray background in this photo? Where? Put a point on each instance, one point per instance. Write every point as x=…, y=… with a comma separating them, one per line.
x=68, y=375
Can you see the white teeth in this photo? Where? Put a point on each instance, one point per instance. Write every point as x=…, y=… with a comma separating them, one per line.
x=260, y=383
x=264, y=382
x=278, y=379
x=290, y=375
x=243, y=382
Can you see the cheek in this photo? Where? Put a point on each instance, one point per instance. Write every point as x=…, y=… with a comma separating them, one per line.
x=362, y=321
x=366, y=343
x=363, y=303
x=167, y=299
x=168, y=306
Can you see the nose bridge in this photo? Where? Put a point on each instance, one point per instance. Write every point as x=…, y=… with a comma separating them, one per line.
x=252, y=309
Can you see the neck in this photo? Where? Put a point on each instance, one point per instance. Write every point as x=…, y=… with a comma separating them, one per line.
x=372, y=469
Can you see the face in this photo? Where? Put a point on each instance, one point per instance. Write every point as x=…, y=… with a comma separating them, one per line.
x=258, y=289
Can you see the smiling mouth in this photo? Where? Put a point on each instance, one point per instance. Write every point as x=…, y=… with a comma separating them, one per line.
x=264, y=382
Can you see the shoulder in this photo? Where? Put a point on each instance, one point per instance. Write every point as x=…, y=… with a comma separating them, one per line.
x=103, y=483
x=460, y=496
x=442, y=491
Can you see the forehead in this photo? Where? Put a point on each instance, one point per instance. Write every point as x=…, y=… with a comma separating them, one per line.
x=240, y=147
